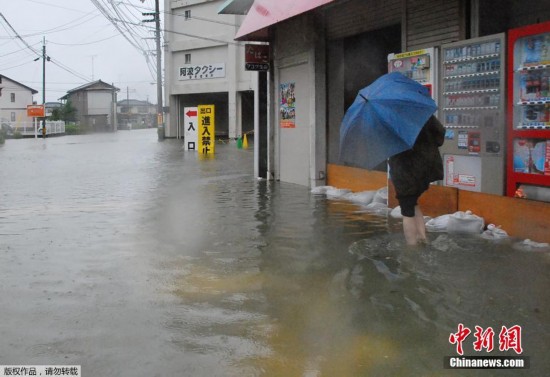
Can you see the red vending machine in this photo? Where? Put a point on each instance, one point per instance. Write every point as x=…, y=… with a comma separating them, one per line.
x=528, y=162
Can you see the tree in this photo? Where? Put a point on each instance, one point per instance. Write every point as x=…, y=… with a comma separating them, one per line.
x=66, y=113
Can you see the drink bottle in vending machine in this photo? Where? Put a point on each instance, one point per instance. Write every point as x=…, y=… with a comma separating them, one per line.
x=472, y=109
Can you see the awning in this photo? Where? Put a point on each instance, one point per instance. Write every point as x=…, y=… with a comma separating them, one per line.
x=265, y=13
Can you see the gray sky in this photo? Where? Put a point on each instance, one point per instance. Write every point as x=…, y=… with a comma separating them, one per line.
x=82, y=43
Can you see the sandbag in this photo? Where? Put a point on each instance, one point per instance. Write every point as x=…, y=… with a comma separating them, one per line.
x=438, y=224
x=363, y=197
x=381, y=196
x=465, y=222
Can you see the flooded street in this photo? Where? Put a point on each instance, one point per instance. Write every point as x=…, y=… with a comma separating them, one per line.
x=132, y=257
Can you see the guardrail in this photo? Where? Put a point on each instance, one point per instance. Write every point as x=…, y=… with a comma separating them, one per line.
x=53, y=127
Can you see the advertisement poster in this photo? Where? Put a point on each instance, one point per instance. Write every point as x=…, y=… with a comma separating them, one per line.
x=206, y=130
x=287, y=108
x=532, y=156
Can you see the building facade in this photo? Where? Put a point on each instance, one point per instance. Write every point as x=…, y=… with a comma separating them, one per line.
x=95, y=105
x=205, y=66
x=14, y=99
x=326, y=53
x=132, y=113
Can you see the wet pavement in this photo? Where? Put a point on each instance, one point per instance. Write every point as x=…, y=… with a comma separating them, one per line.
x=132, y=257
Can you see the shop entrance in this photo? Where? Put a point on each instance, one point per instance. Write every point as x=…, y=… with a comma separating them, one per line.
x=353, y=63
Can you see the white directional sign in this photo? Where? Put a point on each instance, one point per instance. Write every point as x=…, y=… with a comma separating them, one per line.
x=190, y=123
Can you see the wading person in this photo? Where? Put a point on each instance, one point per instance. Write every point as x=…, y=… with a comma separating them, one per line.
x=412, y=171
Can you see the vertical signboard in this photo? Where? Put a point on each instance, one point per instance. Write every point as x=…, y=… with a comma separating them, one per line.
x=190, y=124
x=206, y=129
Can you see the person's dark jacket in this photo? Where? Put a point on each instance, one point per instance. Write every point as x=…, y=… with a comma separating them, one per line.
x=413, y=170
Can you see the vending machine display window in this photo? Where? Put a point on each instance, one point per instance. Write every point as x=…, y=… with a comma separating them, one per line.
x=529, y=112
x=472, y=111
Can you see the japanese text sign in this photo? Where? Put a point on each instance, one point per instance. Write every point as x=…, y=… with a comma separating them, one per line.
x=35, y=110
x=190, y=121
x=206, y=129
x=256, y=57
x=202, y=71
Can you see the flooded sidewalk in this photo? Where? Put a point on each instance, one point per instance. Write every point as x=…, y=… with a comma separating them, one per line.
x=132, y=257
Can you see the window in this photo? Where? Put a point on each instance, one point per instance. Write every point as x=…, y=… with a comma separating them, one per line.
x=187, y=14
x=12, y=97
x=12, y=116
x=187, y=58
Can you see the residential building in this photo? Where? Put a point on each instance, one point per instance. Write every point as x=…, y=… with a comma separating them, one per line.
x=132, y=113
x=204, y=65
x=14, y=99
x=95, y=105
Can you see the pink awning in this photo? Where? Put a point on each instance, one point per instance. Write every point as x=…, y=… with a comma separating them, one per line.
x=265, y=13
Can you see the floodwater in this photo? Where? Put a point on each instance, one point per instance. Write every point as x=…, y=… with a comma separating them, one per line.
x=132, y=257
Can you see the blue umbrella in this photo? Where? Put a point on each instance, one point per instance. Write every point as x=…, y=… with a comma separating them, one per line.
x=384, y=120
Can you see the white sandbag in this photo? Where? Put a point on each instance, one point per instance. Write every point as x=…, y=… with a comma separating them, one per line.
x=528, y=245
x=494, y=232
x=337, y=193
x=396, y=213
x=377, y=208
x=363, y=197
x=320, y=190
x=438, y=224
x=381, y=195
x=465, y=222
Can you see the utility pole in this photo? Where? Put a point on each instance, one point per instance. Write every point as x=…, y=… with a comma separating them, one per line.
x=156, y=19
x=44, y=58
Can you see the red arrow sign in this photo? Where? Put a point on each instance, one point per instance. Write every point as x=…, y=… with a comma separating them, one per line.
x=191, y=113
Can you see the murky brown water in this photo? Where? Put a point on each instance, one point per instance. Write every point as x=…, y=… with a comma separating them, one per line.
x=132, y=257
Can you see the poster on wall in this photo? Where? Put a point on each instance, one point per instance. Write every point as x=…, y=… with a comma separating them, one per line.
x=287, y=107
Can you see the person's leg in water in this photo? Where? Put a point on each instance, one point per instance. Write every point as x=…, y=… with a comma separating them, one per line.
x=414, y=228
x=413, y=220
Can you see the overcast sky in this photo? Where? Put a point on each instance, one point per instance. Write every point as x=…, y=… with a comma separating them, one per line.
x=82, y=43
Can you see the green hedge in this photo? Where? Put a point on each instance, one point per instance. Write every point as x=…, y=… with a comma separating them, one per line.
x=76, y=129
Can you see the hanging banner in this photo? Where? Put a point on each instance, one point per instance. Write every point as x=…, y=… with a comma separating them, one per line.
x=190, y=120
x=287, y=110
x=206, y=129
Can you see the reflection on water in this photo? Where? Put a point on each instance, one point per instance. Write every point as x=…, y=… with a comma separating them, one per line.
x=133, y=257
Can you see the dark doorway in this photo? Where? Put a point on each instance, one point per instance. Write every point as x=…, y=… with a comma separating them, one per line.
x=366, y=58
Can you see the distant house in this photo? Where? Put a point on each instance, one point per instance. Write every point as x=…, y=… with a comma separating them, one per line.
x=14, y=98
x=50, y=106
x=95, y=105
x=136, y=114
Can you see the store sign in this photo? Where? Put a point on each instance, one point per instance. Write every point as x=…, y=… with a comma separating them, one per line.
x=256, y=57
x=191, y=125
x=35, y=111
x=202, y=71
x=206, y=129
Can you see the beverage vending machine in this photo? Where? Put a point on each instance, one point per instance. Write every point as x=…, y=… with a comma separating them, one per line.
x=528, y=172
x=419, y=65
x=472, y=109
